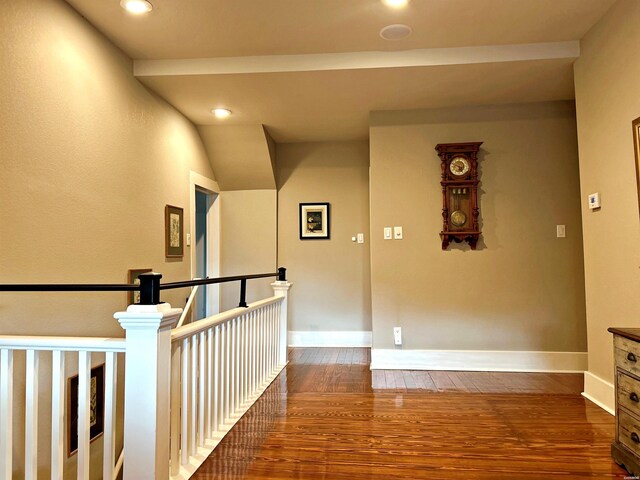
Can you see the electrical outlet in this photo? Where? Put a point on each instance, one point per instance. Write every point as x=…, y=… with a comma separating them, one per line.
x=397, y=335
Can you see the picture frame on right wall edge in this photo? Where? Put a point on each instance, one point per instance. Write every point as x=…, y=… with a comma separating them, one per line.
x=314, y=221
x=636, y=149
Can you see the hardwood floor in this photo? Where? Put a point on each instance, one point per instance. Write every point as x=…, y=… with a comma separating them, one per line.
x=327, y=416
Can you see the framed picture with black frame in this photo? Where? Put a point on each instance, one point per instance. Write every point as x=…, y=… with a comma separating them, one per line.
x=315, y=221
x=96, y=408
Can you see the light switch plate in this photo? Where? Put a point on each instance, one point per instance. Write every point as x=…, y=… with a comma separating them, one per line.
x=361, y=238
x=188, y=240
x=560, y=231
x=594, y=201
x=387, y=233
x=397, y=335
x=397, y=233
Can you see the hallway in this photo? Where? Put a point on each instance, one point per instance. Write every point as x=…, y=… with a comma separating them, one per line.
x=327, y=416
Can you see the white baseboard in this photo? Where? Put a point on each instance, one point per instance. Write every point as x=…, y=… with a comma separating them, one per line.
x=600, y=392
x=329, y=339
x=478, y=360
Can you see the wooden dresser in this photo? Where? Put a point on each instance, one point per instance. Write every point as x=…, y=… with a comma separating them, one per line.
x=625, y=448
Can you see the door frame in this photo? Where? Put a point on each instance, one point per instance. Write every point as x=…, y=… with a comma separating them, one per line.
x=211, y=188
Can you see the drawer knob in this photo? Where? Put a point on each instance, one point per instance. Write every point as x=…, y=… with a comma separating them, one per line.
x=633, y=396
x=635, y=438
x=631, y=357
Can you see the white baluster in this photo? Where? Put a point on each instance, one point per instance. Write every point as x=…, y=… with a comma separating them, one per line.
x=236, y=385
x=57, y=414
x=275, y=335
x=6, y=412
x=193, y=406
x=240, y=400
x=31, y=416
x=272, y=339
x=84, y=399
x=216, y=380
x=223, y=376
x=263, y=349
x=250, y=354
x=227, y=371
x=176, y=351
x=267, y=356
x=245, y=357
x=109, y=440
x=258, y=348
x=254, y=341
x=185, y=401
x=209, y=395
x=232, y=382
x=202, y=388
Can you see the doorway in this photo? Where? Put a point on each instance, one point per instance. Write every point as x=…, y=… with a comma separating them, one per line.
x=201, y=241
x=205, y=245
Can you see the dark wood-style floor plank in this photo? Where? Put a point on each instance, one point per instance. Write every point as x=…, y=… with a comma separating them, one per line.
x=327, y=416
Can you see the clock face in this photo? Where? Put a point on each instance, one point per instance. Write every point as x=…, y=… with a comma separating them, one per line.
x=459, y=166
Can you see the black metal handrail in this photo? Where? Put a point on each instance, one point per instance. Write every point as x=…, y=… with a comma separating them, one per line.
x=149, y=286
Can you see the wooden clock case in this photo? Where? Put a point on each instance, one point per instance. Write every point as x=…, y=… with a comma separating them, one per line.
x=460, y=209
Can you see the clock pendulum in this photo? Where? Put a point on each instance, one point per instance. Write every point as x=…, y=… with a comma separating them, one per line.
x=458, y=217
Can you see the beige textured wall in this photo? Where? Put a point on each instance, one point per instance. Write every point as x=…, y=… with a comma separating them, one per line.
x=331, y=277
x=607, y=100
x=88, y=160
x=240, y=155
x=523, y=289
x=248, y=242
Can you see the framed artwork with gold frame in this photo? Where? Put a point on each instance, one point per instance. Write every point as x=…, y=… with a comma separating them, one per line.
x=173, y=231
x=636, y=149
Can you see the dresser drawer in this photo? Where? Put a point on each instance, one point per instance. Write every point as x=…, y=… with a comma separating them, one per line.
x=628, y=393
x=627, y=354
x=629, y=431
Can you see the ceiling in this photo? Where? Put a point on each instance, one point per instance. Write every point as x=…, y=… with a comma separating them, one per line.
x=312, y=70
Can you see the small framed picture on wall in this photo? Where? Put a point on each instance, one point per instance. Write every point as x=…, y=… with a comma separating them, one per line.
x=134, y=297
x=173, y=231
x=636, y=145
x=314, y=221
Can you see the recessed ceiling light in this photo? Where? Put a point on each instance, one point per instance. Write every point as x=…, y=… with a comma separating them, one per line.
x=395, y=32
x=396, y=3
x=137, y=7
x=221, y=112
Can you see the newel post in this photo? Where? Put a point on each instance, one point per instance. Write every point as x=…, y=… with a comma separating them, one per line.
x=281, y=289
x=147, y=389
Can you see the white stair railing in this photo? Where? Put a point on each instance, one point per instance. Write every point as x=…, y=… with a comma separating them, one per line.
x=183, y=388
x=57, y=349
x=220, y=367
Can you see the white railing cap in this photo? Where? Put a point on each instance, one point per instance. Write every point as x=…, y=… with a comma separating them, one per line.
x=85, y=344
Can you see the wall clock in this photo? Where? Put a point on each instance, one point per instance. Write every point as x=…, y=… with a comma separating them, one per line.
x=459, y=181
